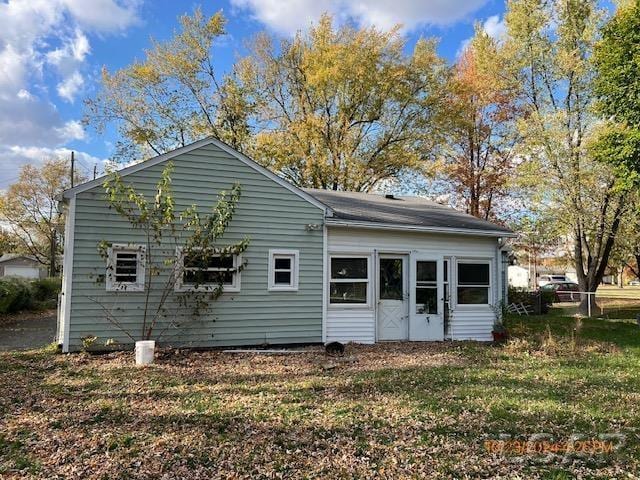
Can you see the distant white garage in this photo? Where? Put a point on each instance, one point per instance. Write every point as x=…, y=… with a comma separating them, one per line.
x=518, y=277
x=24, y=272
x=18, y=265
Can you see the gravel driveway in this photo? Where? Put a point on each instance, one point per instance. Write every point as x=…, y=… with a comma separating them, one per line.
x=26, y=331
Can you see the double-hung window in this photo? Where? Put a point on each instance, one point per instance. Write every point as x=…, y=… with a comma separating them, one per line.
x=125, y=268
x=200, y=272
x=283, y=270
x=474, y=282
x=349, y=283
x=426, y=287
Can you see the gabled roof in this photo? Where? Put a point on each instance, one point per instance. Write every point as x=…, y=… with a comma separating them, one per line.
x=188, y=148
x=12, y=256
x=405, y=213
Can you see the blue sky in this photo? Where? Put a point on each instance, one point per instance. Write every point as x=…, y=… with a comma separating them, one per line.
x=51, y=53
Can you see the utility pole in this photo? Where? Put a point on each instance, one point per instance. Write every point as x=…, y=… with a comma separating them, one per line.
x=73, y=161
x=95, y=171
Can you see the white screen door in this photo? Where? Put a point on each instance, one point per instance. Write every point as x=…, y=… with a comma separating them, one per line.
x=426, y=311
x=393, y=304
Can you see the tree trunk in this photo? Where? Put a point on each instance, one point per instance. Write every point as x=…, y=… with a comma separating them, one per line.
x=620, y=275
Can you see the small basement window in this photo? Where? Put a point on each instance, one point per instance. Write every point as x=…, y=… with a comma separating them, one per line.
x=474, y=283
x=200, y=273
x=283, y=270
x=125, y=268
x=349, y=283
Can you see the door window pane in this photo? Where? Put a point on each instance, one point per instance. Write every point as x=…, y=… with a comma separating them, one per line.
x=391, y=281
x=349, y=268
x=426, y=272
x=426, y=300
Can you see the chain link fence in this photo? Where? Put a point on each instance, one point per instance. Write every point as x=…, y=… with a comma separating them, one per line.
x=607, y=302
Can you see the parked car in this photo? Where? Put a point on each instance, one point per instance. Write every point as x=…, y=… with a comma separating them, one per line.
x=563, y=291
x=546, y=279
x=635, y=283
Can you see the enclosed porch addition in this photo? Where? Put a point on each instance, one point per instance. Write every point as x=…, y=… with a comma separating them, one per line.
x=384, y=296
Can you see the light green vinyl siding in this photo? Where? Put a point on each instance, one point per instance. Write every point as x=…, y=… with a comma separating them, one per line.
x=271, y=216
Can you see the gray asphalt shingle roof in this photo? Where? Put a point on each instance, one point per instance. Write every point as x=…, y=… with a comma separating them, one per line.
x=401, y=211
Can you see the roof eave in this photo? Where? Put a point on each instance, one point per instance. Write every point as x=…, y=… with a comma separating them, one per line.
x=419, y=228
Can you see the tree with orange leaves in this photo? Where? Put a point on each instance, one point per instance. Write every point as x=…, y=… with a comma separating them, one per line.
x=478, y=159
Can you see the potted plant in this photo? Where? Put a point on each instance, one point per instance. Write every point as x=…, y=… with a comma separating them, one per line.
x=499, y=332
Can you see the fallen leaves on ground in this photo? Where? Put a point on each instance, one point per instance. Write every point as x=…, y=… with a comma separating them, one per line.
x=397, y=410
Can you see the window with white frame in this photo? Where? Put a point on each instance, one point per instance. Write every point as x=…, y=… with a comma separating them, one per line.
x=474, y=282
x=125, y=268
x=349, y=283
x=206, y=272
x=283, y=270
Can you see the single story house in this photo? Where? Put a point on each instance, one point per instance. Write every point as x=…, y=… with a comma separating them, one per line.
x=19, y=265
x=321, y=266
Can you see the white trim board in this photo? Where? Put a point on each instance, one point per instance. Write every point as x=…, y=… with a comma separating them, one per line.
x=333, y=222
x=67, y=271
x=193, y=146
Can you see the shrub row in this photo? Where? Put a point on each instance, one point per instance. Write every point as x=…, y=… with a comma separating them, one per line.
x=17, y=294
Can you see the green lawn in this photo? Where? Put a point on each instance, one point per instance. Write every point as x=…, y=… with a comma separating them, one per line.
x=614, y=291
x=390, y=411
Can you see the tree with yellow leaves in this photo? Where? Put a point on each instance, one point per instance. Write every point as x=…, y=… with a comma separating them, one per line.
x=548, y=49
x=343, y=108
x=30, y=209
x=174, y=96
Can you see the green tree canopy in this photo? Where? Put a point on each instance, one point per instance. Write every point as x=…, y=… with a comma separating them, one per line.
x=617, y=88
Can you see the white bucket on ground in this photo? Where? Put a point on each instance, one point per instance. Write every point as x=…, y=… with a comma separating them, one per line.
x=144, y=351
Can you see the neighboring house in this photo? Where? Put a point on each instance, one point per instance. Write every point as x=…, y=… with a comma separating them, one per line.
x=19, y=265
x=321, y=266
x=518, y=276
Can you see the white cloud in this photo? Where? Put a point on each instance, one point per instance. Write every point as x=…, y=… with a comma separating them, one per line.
x=13, y=69
x=42, y=40
x=492, y=26
x=72, y=130
x=24, y=94
x=411, y=13
x=70, y=86
x=104, y=15
x=29, y=120
x=14, y=157
x=289, y=16
x=73, y=51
